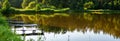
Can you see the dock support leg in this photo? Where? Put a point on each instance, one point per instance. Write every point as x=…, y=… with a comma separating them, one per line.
x=33, y=31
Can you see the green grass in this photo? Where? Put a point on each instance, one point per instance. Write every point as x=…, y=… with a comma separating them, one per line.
x=5, y=32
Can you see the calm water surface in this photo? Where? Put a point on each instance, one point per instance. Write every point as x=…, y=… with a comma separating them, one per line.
x=73, y=27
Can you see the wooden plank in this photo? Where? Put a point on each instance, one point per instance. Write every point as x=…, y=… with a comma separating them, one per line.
x=15, y=21
x=31, y=34
x=26, y=30
x=23, y=24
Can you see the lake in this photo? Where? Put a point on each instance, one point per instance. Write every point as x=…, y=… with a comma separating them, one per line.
x=72, y=27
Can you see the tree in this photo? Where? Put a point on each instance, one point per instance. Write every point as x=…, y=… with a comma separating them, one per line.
x=6, y=7
x=31, y=5
x=72, y=4
x=88, y=5
x=0, y=5
x=43, y=1
x=24, y=3
x=38, y=6
x=16, y=3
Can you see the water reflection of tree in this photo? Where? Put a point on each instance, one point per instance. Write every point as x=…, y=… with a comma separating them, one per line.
x=109, y=24
x=39, y=39
x=54, y=29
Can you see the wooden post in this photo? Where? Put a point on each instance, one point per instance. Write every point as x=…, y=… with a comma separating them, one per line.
x=33, y=31
x=14, y=29
x=23, y=30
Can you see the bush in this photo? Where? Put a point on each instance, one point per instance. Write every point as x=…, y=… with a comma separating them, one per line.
x=6, y=5
x=5, y=32
x=88, y=5
x=31, y=5
x=24, y=3
x=6, y=8
x=38, y=6
x=114, y=5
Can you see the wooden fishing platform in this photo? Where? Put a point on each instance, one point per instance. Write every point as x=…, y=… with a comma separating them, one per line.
x=23, y=27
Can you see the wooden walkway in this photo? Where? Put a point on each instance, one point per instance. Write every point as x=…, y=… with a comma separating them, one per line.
x=23, y=28
x=31, y=34
x=29, y=25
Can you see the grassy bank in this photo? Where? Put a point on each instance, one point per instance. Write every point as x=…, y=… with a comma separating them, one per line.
x=5, y=32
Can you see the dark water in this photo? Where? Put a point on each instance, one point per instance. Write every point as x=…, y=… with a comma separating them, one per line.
x=73, y=27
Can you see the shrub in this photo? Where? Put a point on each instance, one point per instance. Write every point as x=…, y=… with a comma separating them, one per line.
x=6, y=8
x=5, y=32
x=31, y=5
x=38, y=6
x=88, y=5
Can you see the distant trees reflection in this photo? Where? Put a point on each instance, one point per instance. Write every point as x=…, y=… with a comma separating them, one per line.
x=61, y=23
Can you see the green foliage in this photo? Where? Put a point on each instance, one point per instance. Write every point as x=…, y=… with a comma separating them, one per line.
x=7, y=35
x=0, y=4
x=24, y=3
x=88, y=5
x=59, y=4
x=38, y=6
x=31, y=5
x=43, y=1
x=6, y=7
x=16, y=3
x=2, y=20
x=72, y=4
x=5, y=32
x=114, y=4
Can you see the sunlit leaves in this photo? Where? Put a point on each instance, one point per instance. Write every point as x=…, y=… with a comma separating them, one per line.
x=24, y=3
x=5, y=32
x=88, y=5
x=31, y=5
x=6, y=5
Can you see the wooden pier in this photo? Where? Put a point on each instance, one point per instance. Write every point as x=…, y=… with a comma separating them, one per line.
x=23, y=27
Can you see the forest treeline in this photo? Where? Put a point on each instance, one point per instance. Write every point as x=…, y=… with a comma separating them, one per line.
x=72, y=4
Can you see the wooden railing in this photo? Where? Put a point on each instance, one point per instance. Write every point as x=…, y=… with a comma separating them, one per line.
x=24, y=27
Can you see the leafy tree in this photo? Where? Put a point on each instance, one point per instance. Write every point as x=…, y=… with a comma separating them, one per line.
x=24, y=3
x=5, y=32
x=0, y=4
x=38, y=6
x=6, y=7
x=114, y=5
x=31, y=5
x=43, y=1
x=16, y=3
x=72, y=4
x=88, y=5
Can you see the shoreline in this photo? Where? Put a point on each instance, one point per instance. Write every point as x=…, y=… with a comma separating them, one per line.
x=64, y=11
